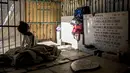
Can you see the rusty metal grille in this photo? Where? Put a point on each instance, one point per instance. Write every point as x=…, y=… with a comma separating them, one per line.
x=97, y=6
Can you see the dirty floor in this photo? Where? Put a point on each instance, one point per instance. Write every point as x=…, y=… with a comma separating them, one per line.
x=62, y=64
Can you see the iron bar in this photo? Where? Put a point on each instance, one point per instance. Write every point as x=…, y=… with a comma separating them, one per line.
x=118, y=6
x=3, y=2
x=92, y=6
x=2, y=28
x=98, y=6
x=127, y=5
x=14, y=24
x=105, y=6
x=95, y=6
x=128, y=28
x=20, y=20
x=8, y=25
x=122, y=5
x=114, y=5
x=110, y=5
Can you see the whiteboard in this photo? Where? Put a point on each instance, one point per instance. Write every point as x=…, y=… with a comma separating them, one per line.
x=107, y=31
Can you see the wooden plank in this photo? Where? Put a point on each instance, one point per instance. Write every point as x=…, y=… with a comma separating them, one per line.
x=43, y=31
x=52, y=19
x=54, y=33
x=45, y=36
x=34, y=29
x=27, y=17
x=47, y=20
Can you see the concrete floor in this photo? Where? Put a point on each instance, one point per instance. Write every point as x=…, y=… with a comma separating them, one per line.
x=62, y=64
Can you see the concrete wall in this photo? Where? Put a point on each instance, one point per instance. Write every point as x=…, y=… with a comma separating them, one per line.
x=66, y=29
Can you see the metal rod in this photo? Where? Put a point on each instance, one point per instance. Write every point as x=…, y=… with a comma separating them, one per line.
x=99, y=6
x=122, y=5
x=92, y=6
x=128, y=28
x=43, y=22
x=71, y=4
x=2, y=28
x=64, y=7
x=3, y=2
x=14, y=24
x=105, y=6
x=127, y=5
x=8, y=25
x=20, y=20
x=102, y=6
x=113, y=5
x=110, y=2
x=118, y=5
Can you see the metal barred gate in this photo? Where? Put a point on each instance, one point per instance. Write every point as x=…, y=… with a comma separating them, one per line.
x=43, y=16
x=11, y=12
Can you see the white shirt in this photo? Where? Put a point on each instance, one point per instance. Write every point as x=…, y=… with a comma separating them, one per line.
x=28, y=41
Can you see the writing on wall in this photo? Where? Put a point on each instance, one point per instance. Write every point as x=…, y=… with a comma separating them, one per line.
x=107, y=31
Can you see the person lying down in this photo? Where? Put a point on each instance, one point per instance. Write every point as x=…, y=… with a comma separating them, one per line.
x=29, y=52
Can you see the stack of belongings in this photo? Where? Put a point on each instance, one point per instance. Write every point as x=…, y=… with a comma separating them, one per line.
x=77, y=21
x=20, y=57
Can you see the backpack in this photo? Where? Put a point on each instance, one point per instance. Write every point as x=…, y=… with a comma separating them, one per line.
x=79, y=12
